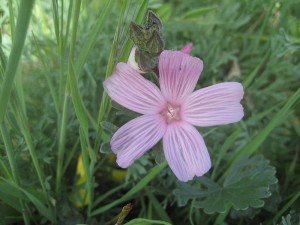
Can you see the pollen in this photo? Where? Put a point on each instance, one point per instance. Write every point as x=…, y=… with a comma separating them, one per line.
x=171, y=113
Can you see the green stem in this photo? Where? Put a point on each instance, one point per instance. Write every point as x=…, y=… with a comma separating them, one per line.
x=222, y=216
x=68, y=22
x=61, y=45
x=191, y=212
x=70, y=155
x=74, y=28
x=15, y=55
x=11, y=160
x=61, y=145
x=11, y=19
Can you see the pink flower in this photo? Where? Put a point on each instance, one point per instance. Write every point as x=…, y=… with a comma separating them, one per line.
x=170, y=112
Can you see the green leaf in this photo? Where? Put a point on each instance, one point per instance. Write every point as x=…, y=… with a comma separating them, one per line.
x=246, y=184
x=140, y=221
x=105, y=148
x=110, y=127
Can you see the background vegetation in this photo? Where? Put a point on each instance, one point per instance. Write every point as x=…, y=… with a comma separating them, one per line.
x=56, y=122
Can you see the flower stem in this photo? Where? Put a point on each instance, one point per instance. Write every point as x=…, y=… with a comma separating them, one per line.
x=61, y=145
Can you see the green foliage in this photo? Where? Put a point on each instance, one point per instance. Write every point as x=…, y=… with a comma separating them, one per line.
x=54, y=111
x=246, y=184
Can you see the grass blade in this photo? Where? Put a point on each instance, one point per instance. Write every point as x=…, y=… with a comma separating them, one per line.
x=254, y=144
x=89, y=44
x=15, y=54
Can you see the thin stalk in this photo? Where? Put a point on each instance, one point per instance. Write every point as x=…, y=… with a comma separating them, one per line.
x=68, y=21
x=55, y=19
x=11, y=19
x=70, y=156
x=11, y=160
x=61, y=45
x=191, y=212
x=62, y=137
x=222, y=216
x=74, y=28
x=61, y=144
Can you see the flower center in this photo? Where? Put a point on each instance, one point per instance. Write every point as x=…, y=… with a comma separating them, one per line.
x=171, y=113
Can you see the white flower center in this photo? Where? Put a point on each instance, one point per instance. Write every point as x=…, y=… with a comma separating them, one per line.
x=171, y=113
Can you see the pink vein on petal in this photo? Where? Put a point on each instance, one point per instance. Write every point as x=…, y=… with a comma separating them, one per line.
x=133, y=91
x=218, y=104
x=178, y=75
x=136, y=137
x=185, y=151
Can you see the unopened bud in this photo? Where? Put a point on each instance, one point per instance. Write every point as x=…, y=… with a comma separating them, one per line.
x=148, y=41
x=187, y=48
x=155, y=44
x=153, y=22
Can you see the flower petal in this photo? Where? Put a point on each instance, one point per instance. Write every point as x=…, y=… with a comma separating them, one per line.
x=178, y=75
x=131, y=90
x=185, y=151
x=214, y=105
x=137, y=136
